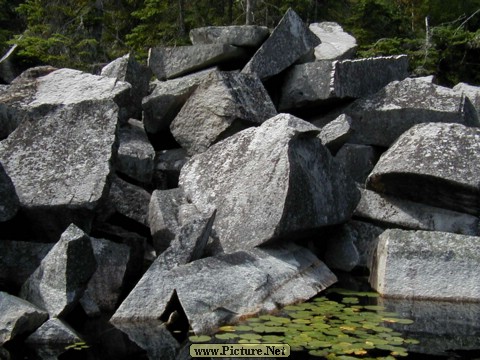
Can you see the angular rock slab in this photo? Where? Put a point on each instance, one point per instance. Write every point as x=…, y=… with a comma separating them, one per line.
x=135, y=152
x=336, y=133
x=436, y=164
x=18, y=316
x=393, y=212
x=60, y=164
x=381, y=118
x=427, y=265
x=225, y=103
x=168, y=164
x=274, y=181
x=167, y=98
x=321, y=82
x=336, y=43
x=221, y=289
x=172, y=62
x=357, y=160
x=472, y=92
x=54, y=332
x=9, y=202
x=240, y=35
x=59, y=282
x=289, y=41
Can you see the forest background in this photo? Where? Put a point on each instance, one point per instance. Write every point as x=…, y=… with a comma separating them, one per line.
x=442, y=38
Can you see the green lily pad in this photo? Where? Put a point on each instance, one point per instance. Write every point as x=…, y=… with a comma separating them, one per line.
x=374, y=307
x=250, y=336
x=199, y=338
x=226, y=336
x=350, y=300
x=243, y=328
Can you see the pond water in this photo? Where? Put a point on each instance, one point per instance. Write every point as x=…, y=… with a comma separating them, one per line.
x=343, y=323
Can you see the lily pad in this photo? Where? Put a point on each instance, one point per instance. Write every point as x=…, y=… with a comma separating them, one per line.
x=226, y=336
x=199, y=338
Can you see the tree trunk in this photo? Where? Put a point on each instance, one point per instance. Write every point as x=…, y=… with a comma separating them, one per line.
x=181, y=18
x=249, y=12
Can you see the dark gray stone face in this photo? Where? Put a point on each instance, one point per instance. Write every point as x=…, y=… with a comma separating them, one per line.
x=358, y=161
x=54, y=332
x=225, y=103
x=336, y=133
x=269, y=182
x=60, y=164
x=60, y=280
x=241, y=35
x=172, y=62
x=289, y=41
x=381, y=118
x=436, y=164
x=217, y=290
x=18, y=316
x=427, y=265
x=9, y=202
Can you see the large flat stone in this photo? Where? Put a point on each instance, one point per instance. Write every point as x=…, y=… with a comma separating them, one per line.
x=239, y=35
x=225, y=103
x=336, y=43
x=436, y=164
x=427, y=265
x=472, y=92
x=274, y=181
x=221, y=289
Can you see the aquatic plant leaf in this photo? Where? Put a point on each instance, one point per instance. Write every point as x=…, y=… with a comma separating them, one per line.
x=226, y=336
x=250, y=336
x=199, y=338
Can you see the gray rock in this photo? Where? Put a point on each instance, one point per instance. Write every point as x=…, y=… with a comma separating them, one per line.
x=352, y=246
x=472, y=92
x=289, y=41
x=336, y=43
x=60, y=164
x=167, y=98
x=427, y=265
x=241, y=35
x=8, y=65
x=225, y=103
x=381, y=118
x=9, y=202
x=221, y=289
x=168, y=164
x=60, y=280
x=172, y=62
x=127, y=69
x=89, y=305
x=14, y=100
x=18, y=317
x=322, y=82
x=135, y=152
x=128, y=200
x=163, y=217
x=269, y=182
x=19, y=260
x=357, y=160
x=336, y=133
x=54, y=332
x=393, y=212
x=435, y=163
x=106, y=284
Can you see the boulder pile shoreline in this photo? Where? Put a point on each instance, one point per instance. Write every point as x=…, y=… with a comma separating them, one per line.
x=187, y=187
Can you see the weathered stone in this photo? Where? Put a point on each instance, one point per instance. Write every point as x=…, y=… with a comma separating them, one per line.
x=427, y=265
x=163, y=217
x=19, y=260
x=336, y=43
x=357, y=160
x=135, y=153
x=60, y=164
x=167, y=98
x=127, y=200
x=225, y=103
x=89, y=305
x=18, y=317
x=289, y=41
x=60, y=280
x=9, y=202
x=242, y=35
x=127, y=69
x=381, y=118
x=441, y=325
x=472, y=92
x=336, y=133
x=269, y=182
x=435, y=163
x=172, y=62
x=221, y=289
x=393, y=212
x=322, y=82
x=54, y=332
x=352, y=246
x=107, y=283
x=168, y=164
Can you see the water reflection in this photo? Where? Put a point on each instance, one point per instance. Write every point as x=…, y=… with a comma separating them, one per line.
x=441, y=327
